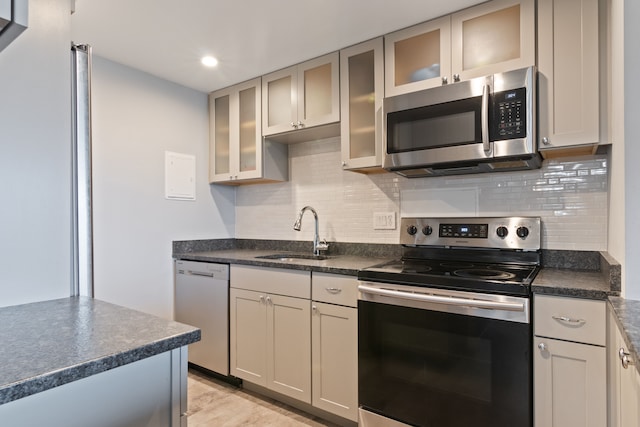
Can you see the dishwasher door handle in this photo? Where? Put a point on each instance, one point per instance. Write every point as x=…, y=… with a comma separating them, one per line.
x=199, y=273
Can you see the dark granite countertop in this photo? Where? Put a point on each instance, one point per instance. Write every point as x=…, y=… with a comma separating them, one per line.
x=336, y=264
x=51, y=343
x=572, y=283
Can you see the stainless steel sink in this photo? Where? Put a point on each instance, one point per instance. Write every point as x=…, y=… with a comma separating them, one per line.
x=293, y=257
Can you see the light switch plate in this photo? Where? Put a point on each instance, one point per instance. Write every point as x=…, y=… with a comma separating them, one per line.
x=384, y=220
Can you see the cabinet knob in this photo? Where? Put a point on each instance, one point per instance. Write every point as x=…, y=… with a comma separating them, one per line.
x=545, y=140
x=542, y=346
x=344, y=163
x=314, y=308
x=300, y=124
x=445, y=80
x=269, y=300
x=624, y=358
x=456, y=78
x=261, y=299
x=293, y=125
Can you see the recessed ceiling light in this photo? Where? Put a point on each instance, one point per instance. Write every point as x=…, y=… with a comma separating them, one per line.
x=209, y=61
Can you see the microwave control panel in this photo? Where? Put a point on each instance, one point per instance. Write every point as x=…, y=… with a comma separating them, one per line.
x=509, y=115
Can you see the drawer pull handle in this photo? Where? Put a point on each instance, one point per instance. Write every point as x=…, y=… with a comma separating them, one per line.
x=569, y=321
x=334, y=291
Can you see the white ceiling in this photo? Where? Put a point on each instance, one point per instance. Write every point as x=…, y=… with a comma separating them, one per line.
x=250, y=38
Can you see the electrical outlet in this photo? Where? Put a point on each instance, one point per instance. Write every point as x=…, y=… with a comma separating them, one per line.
x=384, y=220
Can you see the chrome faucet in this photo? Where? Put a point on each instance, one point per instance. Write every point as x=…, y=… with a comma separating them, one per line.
x=317, y=244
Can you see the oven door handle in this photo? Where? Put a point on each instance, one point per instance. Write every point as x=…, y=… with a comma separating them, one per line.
x=447, y=300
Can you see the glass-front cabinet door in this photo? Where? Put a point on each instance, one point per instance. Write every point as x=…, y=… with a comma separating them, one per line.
x=362, y=91
x=235, y=133
x=493, y=37
x=280, y=109
x=490, y=38
x=418, y=57
x=302, y=96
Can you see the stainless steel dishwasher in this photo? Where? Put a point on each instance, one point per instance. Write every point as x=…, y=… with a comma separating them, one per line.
x=202, y=300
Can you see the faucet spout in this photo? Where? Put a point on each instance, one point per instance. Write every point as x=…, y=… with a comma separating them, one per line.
x=317, y=246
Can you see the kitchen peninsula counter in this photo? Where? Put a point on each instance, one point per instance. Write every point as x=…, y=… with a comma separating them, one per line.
x=52, y=343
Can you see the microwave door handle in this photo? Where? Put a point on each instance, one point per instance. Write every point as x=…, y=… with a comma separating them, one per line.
x=484, y=118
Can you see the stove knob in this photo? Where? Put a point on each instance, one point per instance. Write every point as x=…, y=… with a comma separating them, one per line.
x=502, y=232
x=412, y=230
x=522, y=232
x=427, y=230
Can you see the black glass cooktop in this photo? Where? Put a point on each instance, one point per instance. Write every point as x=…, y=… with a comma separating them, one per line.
x=512, y=279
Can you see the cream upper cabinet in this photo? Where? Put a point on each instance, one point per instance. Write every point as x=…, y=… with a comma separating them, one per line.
x=361, y=94
x=417, y=57
x=489, y=38
x=493, y=37
x=303, y=96
x=568, y=73
x=569, y=362
x=236, y=149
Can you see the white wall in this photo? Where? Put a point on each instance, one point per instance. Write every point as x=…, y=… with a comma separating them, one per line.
x=136, y=118
x=570, y=195
x=35, y=139
x=632, y=149
x=616, y=238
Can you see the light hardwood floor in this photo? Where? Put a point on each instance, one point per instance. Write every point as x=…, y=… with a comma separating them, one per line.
x=213, y=403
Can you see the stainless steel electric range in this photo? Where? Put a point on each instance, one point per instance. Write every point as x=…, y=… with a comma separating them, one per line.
x=444, y=334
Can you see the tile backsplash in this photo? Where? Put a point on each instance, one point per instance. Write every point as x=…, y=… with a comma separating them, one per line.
x=569, y=194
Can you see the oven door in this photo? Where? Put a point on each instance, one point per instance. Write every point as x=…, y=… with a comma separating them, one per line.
x=439, y=358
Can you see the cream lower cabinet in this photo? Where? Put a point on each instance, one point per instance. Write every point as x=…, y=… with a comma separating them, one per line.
x=270, y=339
x=624, y=380
x=569, y=363
x=334, y=343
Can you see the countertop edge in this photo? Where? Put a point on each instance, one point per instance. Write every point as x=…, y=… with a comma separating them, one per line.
x=61, y=375
x=70, y=374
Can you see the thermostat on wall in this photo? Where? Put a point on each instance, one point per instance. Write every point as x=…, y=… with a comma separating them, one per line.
x=179, y=176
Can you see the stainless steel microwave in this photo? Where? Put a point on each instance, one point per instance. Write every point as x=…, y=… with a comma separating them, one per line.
x=486, y=124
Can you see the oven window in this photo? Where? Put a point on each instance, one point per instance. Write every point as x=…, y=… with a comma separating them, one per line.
x=429, y=368
x=449, y=124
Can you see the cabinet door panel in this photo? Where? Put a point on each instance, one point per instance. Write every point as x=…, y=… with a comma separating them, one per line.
x=319, y=91
x=335, y=359
x=361, y=92
x=418, y=57
x=248, y=337
x=220, y=154
x=279, y=106
x=289, y=346
x=493, y=37
x=569, y=384
x=568, y=65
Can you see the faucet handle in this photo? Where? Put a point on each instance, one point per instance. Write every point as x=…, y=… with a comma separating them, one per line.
x=322, y=245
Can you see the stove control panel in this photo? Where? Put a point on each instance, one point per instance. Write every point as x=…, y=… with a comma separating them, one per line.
x=519, y=233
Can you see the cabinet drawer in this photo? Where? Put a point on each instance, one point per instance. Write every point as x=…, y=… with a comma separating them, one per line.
x=571, y=319
x=335, y=289
x=293, y=283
